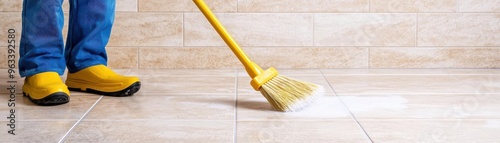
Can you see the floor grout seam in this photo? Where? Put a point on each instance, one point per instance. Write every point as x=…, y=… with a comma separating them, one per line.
x=347, y=108
x=80, y=120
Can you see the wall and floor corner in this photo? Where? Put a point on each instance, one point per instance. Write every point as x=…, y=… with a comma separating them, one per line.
x=299, y=34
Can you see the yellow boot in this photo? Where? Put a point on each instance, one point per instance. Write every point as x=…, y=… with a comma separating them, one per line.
x=45, y=89
x=101, y=80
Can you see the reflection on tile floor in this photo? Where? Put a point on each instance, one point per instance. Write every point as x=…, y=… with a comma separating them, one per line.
x=219, y=106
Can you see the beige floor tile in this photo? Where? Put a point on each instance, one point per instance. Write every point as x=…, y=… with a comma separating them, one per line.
x=382, y=72
x=28, y=111
x=257, y=108
x=422, y=106
x=483, y=84
x=344, y=131
x=397, y=84
x=187, y=84
x=456, y=131
x=139, y=107
x=35, y=131
x=244, y=86
x=153, y=131
x=472, y=71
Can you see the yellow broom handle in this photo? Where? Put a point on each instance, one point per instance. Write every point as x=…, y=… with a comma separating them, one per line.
x=252, y=68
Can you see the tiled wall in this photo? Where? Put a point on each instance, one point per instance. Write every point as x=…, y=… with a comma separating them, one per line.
x=300, y=33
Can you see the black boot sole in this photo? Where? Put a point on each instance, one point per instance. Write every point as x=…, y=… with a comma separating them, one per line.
x=129, y=91
x=57, y=98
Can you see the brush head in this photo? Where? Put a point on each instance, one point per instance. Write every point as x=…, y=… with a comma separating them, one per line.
x=288, y=95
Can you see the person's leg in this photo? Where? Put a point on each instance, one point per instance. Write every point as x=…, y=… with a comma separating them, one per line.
x=41, y=52
x=90, y=24
x=89, y=31
x=42, y=45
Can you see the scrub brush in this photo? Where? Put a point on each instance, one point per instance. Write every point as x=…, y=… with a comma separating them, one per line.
x=283, y=93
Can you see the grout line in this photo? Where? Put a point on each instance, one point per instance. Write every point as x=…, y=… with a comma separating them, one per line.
x=416, y=31
x=79, y=120
x=235, y=107
x=183, y=30
x=237, y=6
x=369, y=6
x=352, y=115
x=137, y=6
x=314, y=29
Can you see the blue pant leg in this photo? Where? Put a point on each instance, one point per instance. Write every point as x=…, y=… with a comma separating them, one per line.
x=41, y=46
x=90, y=26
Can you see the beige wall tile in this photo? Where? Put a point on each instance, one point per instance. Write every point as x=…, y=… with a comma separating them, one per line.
x=123, y=57
x=147, y=29
x=162, y=57
x=11, y=20
x=186, y=5
x=303, y=6
x=434, y=58
x=11, y=5
x=308, y=57
x=479, y=5
x=364, y=29
x=252, y=29
x=459, y=29
x=222, y=57
x=4, y=57
x=413, y=5
x=126, y=5
x=121, y=5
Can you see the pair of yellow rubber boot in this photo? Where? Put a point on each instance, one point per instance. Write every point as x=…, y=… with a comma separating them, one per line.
x=47, y=88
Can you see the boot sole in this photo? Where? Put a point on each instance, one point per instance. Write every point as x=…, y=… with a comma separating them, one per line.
x=122, y=93
x=57, y=98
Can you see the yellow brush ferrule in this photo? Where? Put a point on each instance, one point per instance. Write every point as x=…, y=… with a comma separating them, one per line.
x=264, y=77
